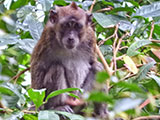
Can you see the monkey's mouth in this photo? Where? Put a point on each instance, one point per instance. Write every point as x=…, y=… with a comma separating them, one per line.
x=70, y=46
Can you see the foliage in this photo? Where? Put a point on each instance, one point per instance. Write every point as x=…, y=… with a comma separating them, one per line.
x=128, y=35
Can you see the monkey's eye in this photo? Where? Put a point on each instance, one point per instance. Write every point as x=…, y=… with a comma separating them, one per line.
x=78, y=26
x=67, y=25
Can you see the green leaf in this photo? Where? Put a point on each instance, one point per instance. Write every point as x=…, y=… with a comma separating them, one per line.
x=24, y=11
x=73, y=95
x=60, y=2
x=27, y=45
x=37, y=96
x=29, y=117
x=144, y=70
x=6, y=91
x=119, y=9
x=46, y=4
x=15, y=116
x=156, y=78
x=132, y=87
x=57, y=92
x=8, y=39
x=47, y=115
x=71, y=116
x=132, y=49
x=106, y=49
x=152, y=10
x=18, y=4
x=98, y=96
x=108, y=20
x=126, y=104
x=101, y=77
x=15, y=90
x=35, y=27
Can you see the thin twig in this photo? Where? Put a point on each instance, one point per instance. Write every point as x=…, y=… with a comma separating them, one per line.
x=19, y=74
x=115, y=50
x=29, y=112
x=152, y=117
x=106, y=66
x=113, y=35
x=105, y=9
x=156, y=41
x=124, y=47
x=114, y=47
x=91, y=8
x=151, y=32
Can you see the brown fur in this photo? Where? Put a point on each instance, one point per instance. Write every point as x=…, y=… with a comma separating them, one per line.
x=54, y=66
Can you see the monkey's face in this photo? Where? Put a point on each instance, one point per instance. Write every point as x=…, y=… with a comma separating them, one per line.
x=70, y=33
x=70, y=25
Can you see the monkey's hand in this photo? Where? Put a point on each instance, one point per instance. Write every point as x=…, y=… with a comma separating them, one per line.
x=74, y=102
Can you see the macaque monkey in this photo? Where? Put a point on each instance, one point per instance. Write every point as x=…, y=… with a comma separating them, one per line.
x=64, y=57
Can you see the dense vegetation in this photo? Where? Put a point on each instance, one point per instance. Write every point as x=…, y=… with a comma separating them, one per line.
x=128, y=35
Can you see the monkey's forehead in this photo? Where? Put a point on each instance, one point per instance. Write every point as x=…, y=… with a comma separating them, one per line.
x=67, y=11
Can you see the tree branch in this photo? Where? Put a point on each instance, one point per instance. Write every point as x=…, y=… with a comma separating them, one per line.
x=151, y=32
x=148, y=117
x=19, y=74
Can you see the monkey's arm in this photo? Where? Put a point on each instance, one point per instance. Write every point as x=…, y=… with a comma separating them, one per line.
x=37, y=76
x=89, y=81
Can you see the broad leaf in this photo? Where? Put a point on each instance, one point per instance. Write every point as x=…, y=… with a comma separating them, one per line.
x=126, y=104
x=100, y=97
x=15, y=90
x=144, y=70
x=130, y=64
x=101, y=77
x=27, y=45
x=156, y=78
x=108, y=20
x=48, y=115
x=132, y=49
x=35, y=27
x=30, y=117
x=152, y=10
x=130, y=87
x=46, y=4
x=57, y=92
x=24, y=11
x=37, y=96
x=70, y=116
x=8, y=40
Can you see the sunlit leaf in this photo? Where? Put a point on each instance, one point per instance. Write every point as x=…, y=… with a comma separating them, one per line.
x=131, y=87
x=57, y=92
x=126, y=104
x=151, y=10
x=144, y=70
x=132, y=49
x=71, y=116
x=101, y=77
x=48, y=115
x=107, y=20
x=46, y=4
x=130, y=64
x=35, y=27
x=100, y=97
x=156, y=78
x=37, y=96
x=29, y=117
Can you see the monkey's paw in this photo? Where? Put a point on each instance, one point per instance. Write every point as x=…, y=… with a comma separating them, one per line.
x=65, y=108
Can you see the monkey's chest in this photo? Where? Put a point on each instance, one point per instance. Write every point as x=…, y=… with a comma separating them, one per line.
x=76, y=72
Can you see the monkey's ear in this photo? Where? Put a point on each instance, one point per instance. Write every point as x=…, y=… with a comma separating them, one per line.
x=53, y=16
x=74, y=6
x=89, y=18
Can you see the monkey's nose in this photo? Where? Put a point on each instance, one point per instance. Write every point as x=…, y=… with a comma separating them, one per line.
x=70, y=40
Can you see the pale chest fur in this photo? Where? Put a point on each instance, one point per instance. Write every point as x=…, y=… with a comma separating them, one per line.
x=76, y=71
